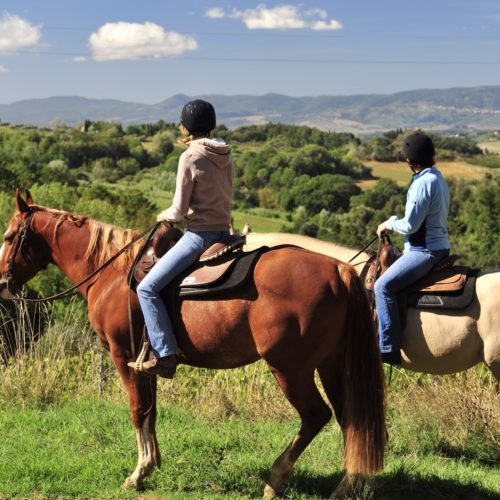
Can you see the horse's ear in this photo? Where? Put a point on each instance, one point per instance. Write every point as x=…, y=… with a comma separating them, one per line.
x=29, y=199
x=22, y=206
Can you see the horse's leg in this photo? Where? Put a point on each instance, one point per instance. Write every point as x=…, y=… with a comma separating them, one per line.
x=488, y=289
x=142, y=401
x=492, y=357
x=300, y=389
x=330, y=372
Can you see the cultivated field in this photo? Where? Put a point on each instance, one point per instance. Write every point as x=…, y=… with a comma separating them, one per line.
x=400, y=173
x=491, y=146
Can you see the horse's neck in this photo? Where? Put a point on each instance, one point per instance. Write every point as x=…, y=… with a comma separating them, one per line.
x=67, y=244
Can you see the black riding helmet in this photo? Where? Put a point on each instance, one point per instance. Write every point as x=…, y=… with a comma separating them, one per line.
x=419, y=150
x=198, y=116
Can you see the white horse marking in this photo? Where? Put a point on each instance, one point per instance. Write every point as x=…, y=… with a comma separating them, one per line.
x=2, y=249
x=146, y=455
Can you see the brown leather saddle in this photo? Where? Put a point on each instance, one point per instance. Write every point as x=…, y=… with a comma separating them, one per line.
x=221, y=268
x=446, y=286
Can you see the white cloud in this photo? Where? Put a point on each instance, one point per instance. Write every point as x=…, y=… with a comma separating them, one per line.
x=285, y=17
x=16, y=32
x=280, y=17
x=321, y=25
x=3, y=69
x=124, y=40
x=215, y=13
x=316, y=13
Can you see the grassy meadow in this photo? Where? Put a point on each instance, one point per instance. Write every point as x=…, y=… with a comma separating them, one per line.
x=66, y=432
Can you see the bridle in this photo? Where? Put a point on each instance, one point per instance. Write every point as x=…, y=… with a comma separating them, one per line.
x=23, y=232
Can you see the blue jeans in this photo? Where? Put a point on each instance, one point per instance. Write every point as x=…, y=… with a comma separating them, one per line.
x=410, y=267
x=184, y=253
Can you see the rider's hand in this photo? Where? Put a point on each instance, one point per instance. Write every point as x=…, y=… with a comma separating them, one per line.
x=162, y=216
x=381, y=230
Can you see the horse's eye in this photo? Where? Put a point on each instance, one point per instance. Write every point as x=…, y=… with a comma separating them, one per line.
x=9, y=236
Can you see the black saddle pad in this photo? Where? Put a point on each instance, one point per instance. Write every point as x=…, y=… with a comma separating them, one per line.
x=235, y=278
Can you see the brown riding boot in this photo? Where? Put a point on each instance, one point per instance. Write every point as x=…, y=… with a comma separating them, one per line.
x=164, y=367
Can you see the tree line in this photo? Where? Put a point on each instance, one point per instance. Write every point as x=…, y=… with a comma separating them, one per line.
x=309, y=175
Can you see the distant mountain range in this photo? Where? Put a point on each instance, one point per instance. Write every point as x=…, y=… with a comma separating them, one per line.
x=446, y=109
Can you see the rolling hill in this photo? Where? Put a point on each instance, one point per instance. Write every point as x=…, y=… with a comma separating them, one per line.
x=445, y=109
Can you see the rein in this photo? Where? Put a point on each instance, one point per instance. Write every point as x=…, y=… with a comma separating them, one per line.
x=21, y=237
x=368, y=245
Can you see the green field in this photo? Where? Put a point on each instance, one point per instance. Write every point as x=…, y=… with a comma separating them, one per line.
x=85, y=449
x=257, y=223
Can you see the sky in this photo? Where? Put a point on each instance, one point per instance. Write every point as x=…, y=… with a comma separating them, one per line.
x=146, y=51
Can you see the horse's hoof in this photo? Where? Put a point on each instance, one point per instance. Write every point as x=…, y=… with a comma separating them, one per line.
x=132, y=483
x=269, y=492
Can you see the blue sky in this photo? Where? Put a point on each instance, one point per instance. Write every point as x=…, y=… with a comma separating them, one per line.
x=146, y=51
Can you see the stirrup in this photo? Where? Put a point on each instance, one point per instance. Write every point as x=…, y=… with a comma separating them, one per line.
x=140, y=359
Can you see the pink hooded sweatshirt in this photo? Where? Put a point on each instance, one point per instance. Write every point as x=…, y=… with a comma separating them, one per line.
x=204, y=187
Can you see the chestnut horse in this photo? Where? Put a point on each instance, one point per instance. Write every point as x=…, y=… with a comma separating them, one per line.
x=301, y=312
x=434, y=341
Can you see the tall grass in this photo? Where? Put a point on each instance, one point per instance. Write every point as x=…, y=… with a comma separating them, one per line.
x=247, y=393
x=453, y=416
x=46, y=360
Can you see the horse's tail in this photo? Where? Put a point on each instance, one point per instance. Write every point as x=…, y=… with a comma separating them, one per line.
x=363, y=418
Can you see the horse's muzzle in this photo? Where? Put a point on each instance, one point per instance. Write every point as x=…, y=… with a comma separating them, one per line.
x=5, y=291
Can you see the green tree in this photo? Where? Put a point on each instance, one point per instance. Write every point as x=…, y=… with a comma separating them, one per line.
x=379, y=196
x=383, y=149
x=474, y=221
x=162, y=145
x=330, y=192
x=313, y=160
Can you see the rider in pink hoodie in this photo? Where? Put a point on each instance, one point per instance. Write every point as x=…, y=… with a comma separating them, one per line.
x=202, y=202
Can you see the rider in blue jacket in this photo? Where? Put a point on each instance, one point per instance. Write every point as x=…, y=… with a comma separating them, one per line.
x=424, y=227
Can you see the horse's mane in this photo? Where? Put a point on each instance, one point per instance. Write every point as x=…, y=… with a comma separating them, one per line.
x=105, y=239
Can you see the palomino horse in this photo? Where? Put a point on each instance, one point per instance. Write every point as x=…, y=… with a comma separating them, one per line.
x=434, y=341
x=301, y=312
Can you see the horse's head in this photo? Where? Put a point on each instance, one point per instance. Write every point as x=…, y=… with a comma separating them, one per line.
x=23, y=253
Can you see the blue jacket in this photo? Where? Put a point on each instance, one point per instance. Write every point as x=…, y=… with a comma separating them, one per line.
x=425, y=223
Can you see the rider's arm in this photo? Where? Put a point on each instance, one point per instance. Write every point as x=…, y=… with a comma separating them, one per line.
x=183, y=189
x=417, y=208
